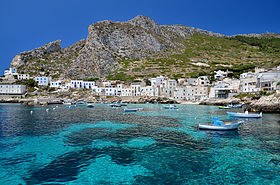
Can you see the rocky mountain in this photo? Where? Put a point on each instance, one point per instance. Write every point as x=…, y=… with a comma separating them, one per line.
x=113, y=47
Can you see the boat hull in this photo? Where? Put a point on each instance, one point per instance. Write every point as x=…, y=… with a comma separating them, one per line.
x=170, y=107
x=222, y=107
x=232, y=126
x=90, y=105
x=242, y=115
x=130, y=110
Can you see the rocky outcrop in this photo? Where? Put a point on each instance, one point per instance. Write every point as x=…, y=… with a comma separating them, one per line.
x=266, y=104
x=108, y=42
x=23, y=57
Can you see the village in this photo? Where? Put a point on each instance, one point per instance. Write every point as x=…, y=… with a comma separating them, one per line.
x=192, y=90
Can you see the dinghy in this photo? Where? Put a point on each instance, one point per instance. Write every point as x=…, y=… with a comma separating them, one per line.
x=220, y=125
x=244, y=115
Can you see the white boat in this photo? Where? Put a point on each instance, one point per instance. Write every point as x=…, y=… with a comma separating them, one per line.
x=90, y=105
x=68, y=103
x=170, y=107
x=220, y=125
x=244, y=115
x=130, y=110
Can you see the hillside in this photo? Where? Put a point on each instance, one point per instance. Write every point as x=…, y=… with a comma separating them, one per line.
x=142, y=48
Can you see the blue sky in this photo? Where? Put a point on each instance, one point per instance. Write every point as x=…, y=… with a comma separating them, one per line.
x=27, y=24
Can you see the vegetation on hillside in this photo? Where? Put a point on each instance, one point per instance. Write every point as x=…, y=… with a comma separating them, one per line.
x=205, y=54
x=265, y=44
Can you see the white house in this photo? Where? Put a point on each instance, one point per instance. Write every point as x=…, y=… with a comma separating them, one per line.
x=10, y=71
x=149, y=91
x=171, y=84
x=200, y=92
x=220, y=74
x=23, y=76
x=184, y=93
x=126, y=91
x=136, y=88
x=43, y=80
x=158, y=80
x=98, y=90
x=111, y=91
x=222, y=90
x=56, y=84
x=267, y=81
x=76, y=84
x=88, y=84
x=203, y=81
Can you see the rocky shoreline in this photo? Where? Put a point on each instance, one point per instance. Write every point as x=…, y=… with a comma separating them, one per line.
x=268, y=104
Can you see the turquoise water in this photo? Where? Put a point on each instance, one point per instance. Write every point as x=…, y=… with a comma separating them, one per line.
x=104, y=145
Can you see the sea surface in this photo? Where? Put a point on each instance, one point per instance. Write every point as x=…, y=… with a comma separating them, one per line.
x=103, y=145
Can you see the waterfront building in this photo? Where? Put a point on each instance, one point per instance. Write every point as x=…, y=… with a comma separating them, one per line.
x=149, y=91
x=98, y=90
x=12, y=90
x=43, y=80
x=221, y=90
x=126, y=91
x=171, y=84
x=136, y=88
x=184, y=93
x=268, y=81
x=111, y=91
x=200, y=92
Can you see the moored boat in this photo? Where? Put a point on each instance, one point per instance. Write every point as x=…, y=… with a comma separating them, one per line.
x=90, y=105
x=220, y=125
x=224, y=107
x=130, y=110
x=170, y=107
x=115, y=105
x=244, y=115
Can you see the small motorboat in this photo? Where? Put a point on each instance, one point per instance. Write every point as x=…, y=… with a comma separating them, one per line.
x=170, y=107
x=123, y=104
x=244, y=115
x=237, y=106
x=224, y=107
x=234, y=106
x=115, y=105
x=90, y=105
x=130, y=110
x=220, y=125
x=68, y=103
